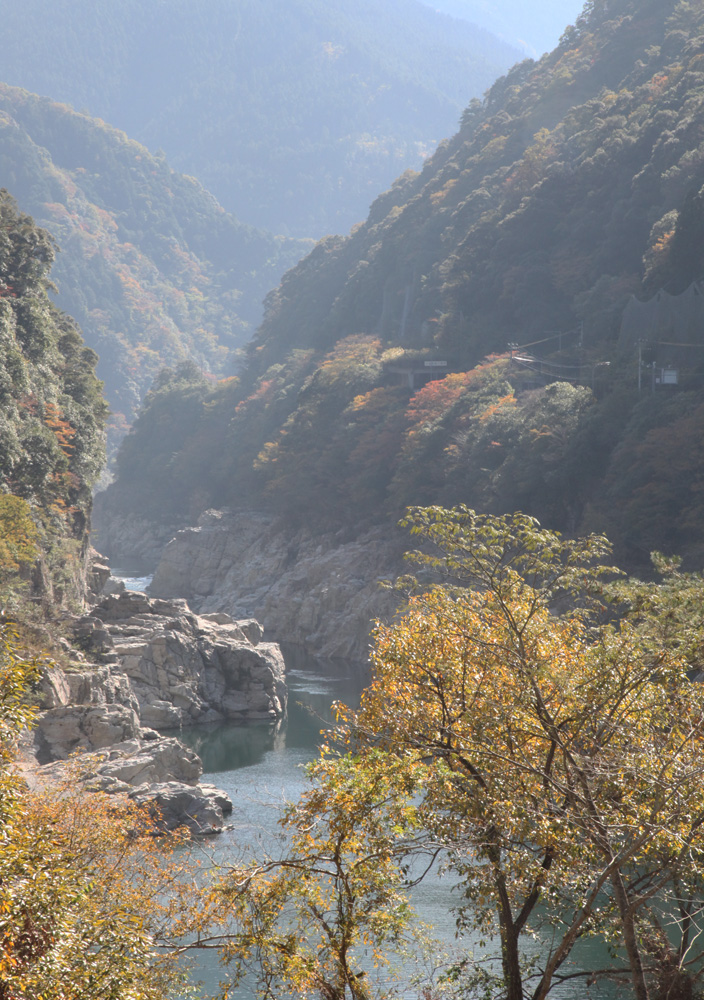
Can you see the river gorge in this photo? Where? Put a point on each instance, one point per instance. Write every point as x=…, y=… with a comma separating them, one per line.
x=197, y=707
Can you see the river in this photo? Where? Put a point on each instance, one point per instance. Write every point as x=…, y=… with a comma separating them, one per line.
x=261, y=768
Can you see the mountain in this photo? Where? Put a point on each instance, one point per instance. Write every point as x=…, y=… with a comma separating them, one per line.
x=294, y=115
x=566, y=217
x=534, y=27
x=51, y=426
x=151, y=267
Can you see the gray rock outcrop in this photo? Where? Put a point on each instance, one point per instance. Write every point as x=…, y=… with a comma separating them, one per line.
x=185, y=668
x=61, y=732
x=128, y=539
x=202, y=809
x=142, y=763
x=321, y=592
x=160, y=773
x=152, y=663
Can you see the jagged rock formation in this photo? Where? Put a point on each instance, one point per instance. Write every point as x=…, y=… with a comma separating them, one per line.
x=321, y=592
x=158, y=665
x=183, y=667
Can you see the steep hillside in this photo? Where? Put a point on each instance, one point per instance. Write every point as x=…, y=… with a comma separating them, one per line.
x=150, y=265
x=574, y=186
x=51, y=424
x=294, y=115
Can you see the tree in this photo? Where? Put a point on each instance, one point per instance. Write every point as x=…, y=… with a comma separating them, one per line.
x=92, y=905
x=543, y=716
x=18, y=535
x=306, y=921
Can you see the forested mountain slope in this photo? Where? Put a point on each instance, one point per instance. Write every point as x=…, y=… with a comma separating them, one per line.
x=576, y=184
x=150, y=266
x=52, y=413
x=536, y=27
x=293, y=114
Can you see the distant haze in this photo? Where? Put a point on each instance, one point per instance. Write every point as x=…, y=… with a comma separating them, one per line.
x=294, y=114
x=534, y=26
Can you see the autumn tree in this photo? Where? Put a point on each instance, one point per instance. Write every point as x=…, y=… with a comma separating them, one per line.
x=18, y=536
x=541, y=729
x=93, y=906
x=318, y=920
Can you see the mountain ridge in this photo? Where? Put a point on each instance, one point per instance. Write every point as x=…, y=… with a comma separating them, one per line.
x=151, y=267
x=574, y=185
x=294, y=117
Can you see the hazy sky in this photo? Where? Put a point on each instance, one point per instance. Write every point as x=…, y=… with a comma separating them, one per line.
x=536, y=25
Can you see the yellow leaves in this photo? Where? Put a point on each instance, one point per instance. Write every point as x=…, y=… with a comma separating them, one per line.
x=91, y=903
x=439, y=196
x=546, y=742
x=18, y=533
x=555, y=757
x=307, y=918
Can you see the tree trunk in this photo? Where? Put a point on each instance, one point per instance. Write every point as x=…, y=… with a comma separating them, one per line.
x=640, y=987
x=509, y=945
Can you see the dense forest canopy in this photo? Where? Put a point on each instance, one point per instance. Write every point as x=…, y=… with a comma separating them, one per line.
x=151, y=266
x=294, y=115
x=575, y=185
x=52, y=414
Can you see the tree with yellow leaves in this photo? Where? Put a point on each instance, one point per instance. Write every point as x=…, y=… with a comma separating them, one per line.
x=18, y=536
x=93, y=906
x=538, y=722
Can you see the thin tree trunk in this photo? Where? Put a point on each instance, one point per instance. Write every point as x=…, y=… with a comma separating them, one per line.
x=509, y=944
x=630, y=938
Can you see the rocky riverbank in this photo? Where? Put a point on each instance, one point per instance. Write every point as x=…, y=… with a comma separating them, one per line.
x=137, y=664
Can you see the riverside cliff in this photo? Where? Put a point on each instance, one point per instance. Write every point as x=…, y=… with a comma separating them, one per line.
x=322, y=592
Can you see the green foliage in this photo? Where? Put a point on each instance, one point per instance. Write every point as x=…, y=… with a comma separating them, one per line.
x=151, y=267
x=52, y=411
x=574, y=184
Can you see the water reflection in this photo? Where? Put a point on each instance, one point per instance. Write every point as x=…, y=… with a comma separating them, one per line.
x=313, y=686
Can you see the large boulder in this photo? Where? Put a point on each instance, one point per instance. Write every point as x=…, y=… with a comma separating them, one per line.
x=158, y=772
x=138, y=762
x=201, y=809
x=63, y=731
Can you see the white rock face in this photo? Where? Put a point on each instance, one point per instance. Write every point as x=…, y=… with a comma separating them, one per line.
x=319, y=592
